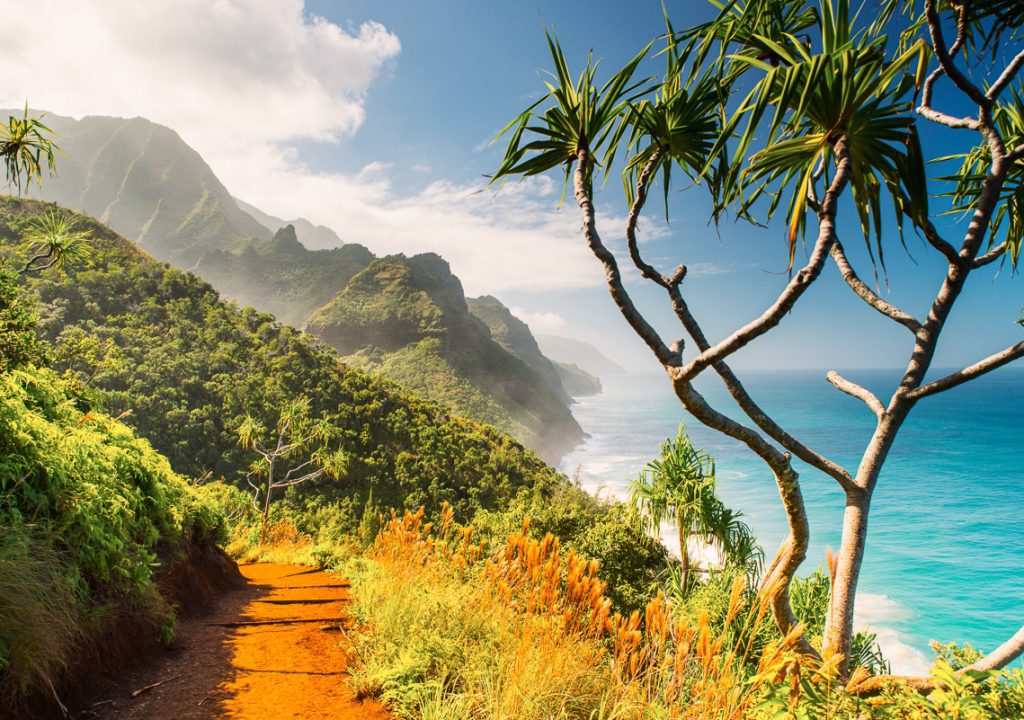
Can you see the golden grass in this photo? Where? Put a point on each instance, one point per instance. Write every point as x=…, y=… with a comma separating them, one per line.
x=527, y=632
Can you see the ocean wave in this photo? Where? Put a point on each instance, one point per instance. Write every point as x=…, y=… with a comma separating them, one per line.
x=874, y=612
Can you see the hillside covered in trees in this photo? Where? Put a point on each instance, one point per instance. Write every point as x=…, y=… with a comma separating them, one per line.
x=160, y=348
x=146, y=183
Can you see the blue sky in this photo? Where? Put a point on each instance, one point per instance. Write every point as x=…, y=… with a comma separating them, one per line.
x=375, y=118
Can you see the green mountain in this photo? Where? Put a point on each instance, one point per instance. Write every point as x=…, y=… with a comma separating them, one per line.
x=282, y=277
x=514, y=335
x=408, y=320
x=160, y=349
x=142, y=180
x=146, y=183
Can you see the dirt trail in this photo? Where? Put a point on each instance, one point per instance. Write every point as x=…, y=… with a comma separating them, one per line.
x=267, y=652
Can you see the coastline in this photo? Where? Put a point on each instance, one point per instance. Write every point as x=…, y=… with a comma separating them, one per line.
x=919, y=584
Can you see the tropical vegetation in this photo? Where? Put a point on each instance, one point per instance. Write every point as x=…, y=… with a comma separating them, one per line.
x=810, y=111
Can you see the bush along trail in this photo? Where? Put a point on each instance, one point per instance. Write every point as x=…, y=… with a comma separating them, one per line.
x=273, y=649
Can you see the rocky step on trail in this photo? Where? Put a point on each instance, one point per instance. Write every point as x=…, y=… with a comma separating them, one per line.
x=271, y=650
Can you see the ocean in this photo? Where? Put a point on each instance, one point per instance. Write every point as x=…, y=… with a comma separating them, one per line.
x=944, y=553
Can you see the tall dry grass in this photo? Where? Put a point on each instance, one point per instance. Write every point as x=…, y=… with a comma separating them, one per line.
x=526, y=631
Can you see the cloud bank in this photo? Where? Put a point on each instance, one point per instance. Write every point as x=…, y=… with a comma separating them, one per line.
x=245, y=82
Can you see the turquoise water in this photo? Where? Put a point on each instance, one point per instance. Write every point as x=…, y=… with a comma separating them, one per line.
x=943, y=559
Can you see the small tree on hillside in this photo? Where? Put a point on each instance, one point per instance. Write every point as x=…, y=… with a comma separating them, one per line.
x=295, y=451
x=798, y=104
x=678, y=488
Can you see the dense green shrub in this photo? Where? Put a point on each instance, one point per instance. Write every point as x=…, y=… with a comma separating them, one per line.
x=18, y=341
x=630, y=561
x=88, y=513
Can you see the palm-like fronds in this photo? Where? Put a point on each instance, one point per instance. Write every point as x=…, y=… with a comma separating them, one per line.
x=766, y=32
x=25, y=149
x=581, y=116
x=54, y=241
x=680, y=126
x=802, y=108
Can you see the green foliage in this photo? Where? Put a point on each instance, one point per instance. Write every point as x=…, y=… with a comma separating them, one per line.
x=25, y=149
x=55, y=242
x=88, y=480
x=969, y=178
x=190, y=368
x=282, y=277
x=88, y=513
x=19, y=344
x=679, y=488
x=40, y=613
x=630, y=561
x=580, y=117
x=407, y=319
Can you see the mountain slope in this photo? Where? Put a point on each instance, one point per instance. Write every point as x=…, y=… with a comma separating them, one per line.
x=160, y=348
x=149, y=184
x=514, y=335
x=143, y=181
x=314, y=237
x=576, y=381
x=282, y=277
x=408, y=319
x=581, y=354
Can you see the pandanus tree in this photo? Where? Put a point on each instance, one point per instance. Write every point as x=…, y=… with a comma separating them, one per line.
x=296, y=450
x=26, y=148
x=799, y=108
x=679, y=488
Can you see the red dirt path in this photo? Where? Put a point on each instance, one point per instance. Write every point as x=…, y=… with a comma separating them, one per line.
x=256, y=672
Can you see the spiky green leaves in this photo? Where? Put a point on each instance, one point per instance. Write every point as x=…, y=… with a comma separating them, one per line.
x=26, y=149
x=54, y=241
x=580, y=117
x=803, y=106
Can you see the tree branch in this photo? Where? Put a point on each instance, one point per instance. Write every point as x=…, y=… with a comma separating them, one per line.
x=867, y=295
x=793, y=551
x=950, y=121
x=933, y=237
x=689, y=323
x=796, y=287
x=1006, y=77
x=612, y=274
x=642, y=185
x=857, y=391
x=992, y=362
x=296, y=481
x=750, y=407
x=995, y=660
x=1002, y=655
x=991, y=256
x=944, y=56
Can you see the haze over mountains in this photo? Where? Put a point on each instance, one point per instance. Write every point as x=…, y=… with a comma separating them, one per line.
x=405, y=318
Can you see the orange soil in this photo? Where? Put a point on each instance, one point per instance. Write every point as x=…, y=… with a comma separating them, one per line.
x=256, y=672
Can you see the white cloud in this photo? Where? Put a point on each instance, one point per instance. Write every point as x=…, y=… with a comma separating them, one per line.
x=228, y=75
x=243, y=81
x=540, y=322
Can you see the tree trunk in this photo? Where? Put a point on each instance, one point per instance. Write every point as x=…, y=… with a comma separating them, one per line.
x=839, y=620
x=684, y=555
x=266, y=504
